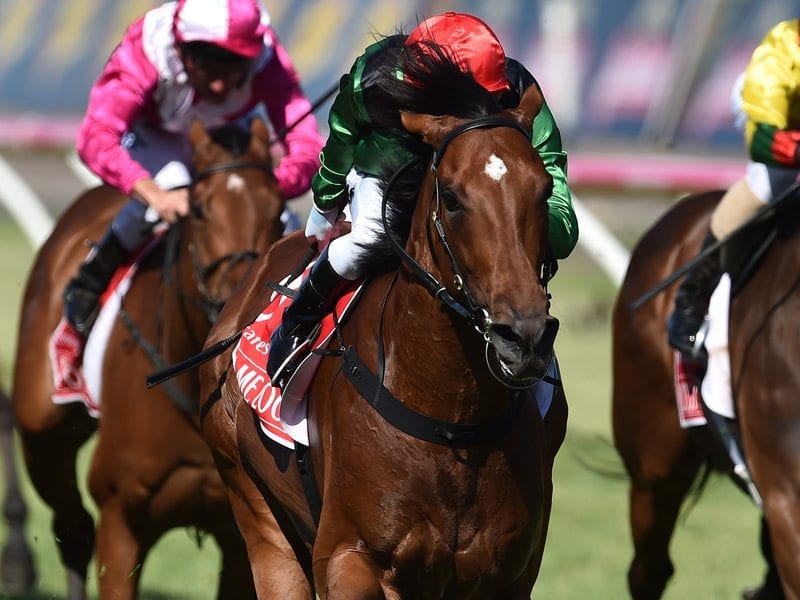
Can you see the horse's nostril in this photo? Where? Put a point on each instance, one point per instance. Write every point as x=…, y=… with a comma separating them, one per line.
x=538, y=336
x=549, y=335
x=506, y=334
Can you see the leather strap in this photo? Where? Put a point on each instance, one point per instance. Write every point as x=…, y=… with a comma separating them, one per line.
x=421, y=426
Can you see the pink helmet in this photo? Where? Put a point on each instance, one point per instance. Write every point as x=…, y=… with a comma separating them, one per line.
x=235, y=25
x=472, y=44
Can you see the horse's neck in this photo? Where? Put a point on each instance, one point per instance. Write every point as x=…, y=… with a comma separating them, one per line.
x=434, y=353
x=185, y=323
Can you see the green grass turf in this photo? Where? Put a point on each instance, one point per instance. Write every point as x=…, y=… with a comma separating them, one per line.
x=715, y=549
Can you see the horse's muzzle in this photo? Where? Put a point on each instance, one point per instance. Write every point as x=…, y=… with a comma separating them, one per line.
x=524, y=347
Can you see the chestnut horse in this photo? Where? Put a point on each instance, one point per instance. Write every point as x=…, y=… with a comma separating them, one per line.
x=663, y=461
x=763, y=344
x=451, y=515
x=151, y=469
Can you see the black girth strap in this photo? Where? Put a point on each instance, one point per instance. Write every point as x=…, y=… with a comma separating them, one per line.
x=306, y=468
x=421, y=426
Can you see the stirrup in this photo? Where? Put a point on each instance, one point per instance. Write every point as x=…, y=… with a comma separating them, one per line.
x=699, y=347
x=287, y=368
x=81, y=308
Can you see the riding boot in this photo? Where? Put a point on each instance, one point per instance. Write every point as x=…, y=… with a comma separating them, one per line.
x=691, y=302
x=315, y=298
x=726, y=432
x=82, y=294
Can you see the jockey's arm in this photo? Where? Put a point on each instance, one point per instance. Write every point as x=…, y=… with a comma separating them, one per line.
x=546, y=138
x=769, y=92
x=338, y=153
x=563, y=224
x=115, y=101
x=278, y=85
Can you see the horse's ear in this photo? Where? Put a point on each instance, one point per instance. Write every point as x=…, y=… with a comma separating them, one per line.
x=198, y=134
x=431, y=128
x=258, y=130
x=529, y=106
x=259, y=140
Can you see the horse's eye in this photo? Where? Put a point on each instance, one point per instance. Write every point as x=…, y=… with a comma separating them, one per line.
x=450, y=201
x=196, y=210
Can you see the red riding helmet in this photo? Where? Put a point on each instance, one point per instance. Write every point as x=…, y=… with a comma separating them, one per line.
x=472, y=44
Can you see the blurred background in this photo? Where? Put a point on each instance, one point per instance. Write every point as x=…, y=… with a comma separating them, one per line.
x=641, y=91
x=652, y=73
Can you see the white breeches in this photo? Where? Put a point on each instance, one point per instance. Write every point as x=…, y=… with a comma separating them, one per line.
x=768, y=182
x=366, y=201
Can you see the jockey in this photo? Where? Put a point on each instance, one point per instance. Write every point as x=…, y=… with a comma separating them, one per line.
x=214, y=60
x=358, y=148
x=769, y=92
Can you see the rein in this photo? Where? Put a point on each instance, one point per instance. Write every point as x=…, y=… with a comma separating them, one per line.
x=233, y=166
x=370, y=385
x=210, y=304
x=477, y=316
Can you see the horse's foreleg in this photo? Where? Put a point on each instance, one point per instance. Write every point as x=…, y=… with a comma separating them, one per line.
x=555, y=430
x=276, y=570
x=236, y=577
x=17, y=572
x=277, y=573
x=351, y=575
x=654, y=509
x=661, y=460
x=119, y=553
x=50, y=457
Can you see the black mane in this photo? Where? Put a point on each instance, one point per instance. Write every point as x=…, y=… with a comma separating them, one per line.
x=233, y=137
x=430, y=83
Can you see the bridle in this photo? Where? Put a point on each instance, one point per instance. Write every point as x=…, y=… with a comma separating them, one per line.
x=211, y=303
x=477, y=316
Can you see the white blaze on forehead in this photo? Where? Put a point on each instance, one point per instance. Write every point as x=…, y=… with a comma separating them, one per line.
x=495, y=167
x=235, y=183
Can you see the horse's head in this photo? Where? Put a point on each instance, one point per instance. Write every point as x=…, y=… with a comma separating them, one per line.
x=235, y=204
x=481, y=227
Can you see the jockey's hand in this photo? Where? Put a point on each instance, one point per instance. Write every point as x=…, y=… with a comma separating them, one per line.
x=323, y=225
x=170, y=205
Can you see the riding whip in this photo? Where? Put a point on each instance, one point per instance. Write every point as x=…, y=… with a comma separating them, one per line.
x=196, y=360
x=764, y=214
x=320, y=101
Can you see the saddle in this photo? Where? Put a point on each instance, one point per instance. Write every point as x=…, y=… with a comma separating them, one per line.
x=77, y=366
x=740, y=257
x=282, y=412
x=747, y=246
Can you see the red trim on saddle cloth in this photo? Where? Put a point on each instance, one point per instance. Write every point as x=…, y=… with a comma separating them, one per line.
x=688, y=377
x=250, y=362
x=66, y=348
x=66, y=357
